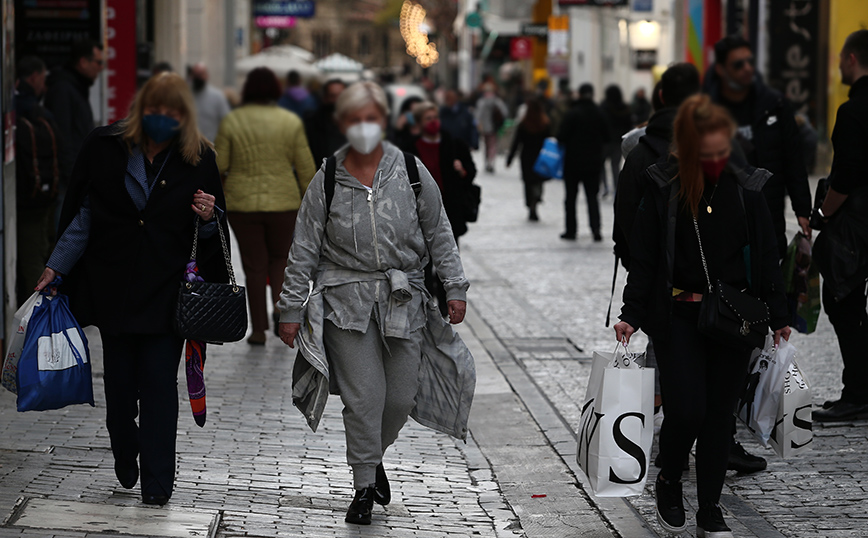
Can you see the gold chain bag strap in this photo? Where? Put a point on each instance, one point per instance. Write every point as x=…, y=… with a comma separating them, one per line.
x=729, y=315
x=211, y=312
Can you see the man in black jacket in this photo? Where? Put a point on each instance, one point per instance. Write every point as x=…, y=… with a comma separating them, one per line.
x=767, y=131
x=323, y=134
x=678, y=82
x=843, y=219
x=68, y=98
x=583, y=133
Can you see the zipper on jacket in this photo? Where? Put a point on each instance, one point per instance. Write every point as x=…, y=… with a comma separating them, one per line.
x=371, y=197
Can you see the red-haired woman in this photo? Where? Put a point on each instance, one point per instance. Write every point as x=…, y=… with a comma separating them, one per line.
x=135, y=193
x=530, y=135
x=263, y=151
x=700, y=377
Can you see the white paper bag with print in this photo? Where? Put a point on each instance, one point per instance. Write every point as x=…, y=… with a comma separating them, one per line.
x=792, y=434
x=761, y=397
x=617, y=425
x=16, y=342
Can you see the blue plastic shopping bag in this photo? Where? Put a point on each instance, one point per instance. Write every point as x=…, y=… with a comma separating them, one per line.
x=54, y=369
x=550, y=162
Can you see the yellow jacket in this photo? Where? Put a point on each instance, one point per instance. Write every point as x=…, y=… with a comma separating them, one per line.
x=258, y=146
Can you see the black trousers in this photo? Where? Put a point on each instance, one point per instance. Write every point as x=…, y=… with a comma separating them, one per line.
x=700, y=380
x=141, y=379
x=850, y=320
x=591, y=180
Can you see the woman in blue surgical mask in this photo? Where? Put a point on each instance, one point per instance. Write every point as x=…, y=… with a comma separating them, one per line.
x=369, y=223
x=137, y=190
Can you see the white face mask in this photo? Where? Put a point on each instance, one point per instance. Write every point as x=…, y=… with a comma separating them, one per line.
x=365, y=137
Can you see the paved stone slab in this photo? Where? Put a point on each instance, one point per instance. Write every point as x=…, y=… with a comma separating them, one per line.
x=102, y=518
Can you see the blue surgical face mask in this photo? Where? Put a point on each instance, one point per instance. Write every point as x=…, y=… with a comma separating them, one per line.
x=160, y=127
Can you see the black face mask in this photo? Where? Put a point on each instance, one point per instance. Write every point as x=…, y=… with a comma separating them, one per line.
x=198, y=84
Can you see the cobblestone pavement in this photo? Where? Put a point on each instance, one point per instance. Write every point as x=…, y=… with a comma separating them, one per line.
x=536, y=312
x=545, y=299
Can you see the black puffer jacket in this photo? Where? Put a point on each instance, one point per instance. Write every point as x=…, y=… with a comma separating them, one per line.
x=648, y=294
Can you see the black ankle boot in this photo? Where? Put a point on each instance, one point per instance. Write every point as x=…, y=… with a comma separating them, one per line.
x=359, y=512
x=127, y=473
x=382, y=490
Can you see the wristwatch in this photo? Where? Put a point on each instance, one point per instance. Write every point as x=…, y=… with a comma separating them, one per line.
x=822, y=215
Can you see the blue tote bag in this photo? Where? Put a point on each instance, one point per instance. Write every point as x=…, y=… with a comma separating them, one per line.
x=550, y=162
x=54, y=369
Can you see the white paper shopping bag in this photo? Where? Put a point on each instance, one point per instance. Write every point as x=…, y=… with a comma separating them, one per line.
x=792, y=434
x=617, y=425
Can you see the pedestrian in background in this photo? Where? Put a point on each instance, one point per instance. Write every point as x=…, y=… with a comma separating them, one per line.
x=68, y=99
x=583, y=135
x=323, y=132
x=262, y=151
x=491, y=113
x=458, y=121
x=38, y=145
x=530, y=134
x=640, y=107
x=769, y=138
x=136, y=191
x=296, y=98
x=449, y=162
x=406, y=130
x=368, y=243
x=620, y=120
x=843, y=219
x=211, y=104
x=631, y=139
x=697, y=193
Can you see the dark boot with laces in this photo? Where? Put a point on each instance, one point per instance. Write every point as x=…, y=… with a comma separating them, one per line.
x=740, y=460
x=670, y=505
x=710, y=523
x=359, y=512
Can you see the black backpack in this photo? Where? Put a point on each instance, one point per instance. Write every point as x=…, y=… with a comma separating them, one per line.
x=38, y=169
x=331, y=166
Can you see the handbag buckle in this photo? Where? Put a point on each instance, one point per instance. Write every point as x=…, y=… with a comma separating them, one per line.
x=745, y=329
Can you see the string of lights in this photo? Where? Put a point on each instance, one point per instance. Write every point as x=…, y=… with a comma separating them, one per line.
x=415, y=34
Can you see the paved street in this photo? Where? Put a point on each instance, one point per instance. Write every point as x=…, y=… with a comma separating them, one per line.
x=536, y=313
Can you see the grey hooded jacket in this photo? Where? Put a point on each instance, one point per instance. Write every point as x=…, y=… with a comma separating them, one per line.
x=365, y=257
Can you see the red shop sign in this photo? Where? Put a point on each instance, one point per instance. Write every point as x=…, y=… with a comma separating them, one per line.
x=521, y=48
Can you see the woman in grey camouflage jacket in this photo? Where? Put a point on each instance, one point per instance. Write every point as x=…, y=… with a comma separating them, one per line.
x=355, y=279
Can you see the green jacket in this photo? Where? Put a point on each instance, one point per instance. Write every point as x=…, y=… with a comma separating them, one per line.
x=261, y=148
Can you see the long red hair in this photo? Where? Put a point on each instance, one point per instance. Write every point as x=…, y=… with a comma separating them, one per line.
x=696, y=117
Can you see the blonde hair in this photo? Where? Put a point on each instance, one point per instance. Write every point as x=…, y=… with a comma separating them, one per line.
x=171, y=91
x=359, y=95
x=421, y=108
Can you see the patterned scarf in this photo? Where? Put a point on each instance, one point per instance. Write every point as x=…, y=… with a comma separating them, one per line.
x=195, y=361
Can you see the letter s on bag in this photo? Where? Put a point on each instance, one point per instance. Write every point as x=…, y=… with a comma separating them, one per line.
x=630, y=448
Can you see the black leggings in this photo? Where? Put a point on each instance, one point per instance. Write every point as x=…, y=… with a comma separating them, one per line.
x=700, y=380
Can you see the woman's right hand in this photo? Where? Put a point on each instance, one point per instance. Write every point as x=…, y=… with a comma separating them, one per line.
x=624, y=330
x=288, y=331
x=47, y=278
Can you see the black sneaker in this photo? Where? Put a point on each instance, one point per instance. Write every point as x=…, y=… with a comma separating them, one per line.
x=670, y=506
x=741, y=461
x=359, y=512
x=710, y=523
x=382, y=490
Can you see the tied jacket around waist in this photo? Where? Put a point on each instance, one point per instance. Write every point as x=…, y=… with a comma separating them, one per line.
x=648, y=294
x=364, y=257
x=128, y=278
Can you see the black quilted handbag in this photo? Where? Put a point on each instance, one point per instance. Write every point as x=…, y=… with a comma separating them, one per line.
x=730, y=315
x=209, y=311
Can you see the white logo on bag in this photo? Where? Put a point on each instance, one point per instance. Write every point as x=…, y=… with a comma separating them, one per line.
x=55, y=353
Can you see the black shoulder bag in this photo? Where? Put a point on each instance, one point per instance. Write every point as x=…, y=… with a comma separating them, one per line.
x=210, y=311
x=729, y=315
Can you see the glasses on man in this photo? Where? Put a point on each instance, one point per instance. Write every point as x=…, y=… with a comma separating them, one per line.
x=738, y=65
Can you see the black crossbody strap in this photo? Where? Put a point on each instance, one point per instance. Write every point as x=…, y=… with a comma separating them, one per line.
x=413, y=173
x=612, y=296
x=329, y=181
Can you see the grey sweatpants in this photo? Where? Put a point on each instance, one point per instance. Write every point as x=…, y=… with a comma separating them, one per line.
x=378, y=389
